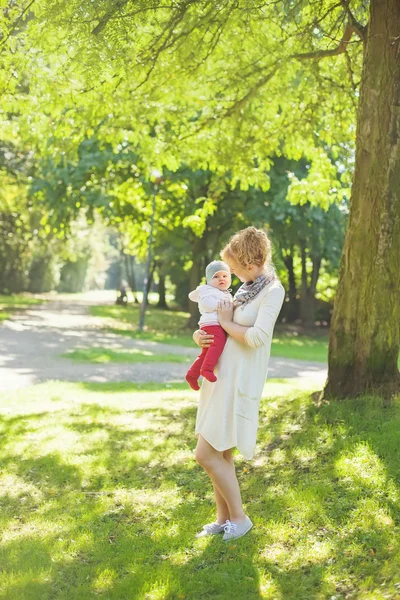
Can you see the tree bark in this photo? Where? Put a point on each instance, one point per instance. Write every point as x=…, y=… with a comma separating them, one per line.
x=365, y=331
x=162, y=299
x=195, y=277
x=307, y=306
x=130, y=274
x=293, y=308
x=151, y=277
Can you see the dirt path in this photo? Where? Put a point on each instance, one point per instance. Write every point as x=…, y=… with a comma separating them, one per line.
x=31, y=344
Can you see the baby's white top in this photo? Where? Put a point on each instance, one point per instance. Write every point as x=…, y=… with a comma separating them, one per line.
x=208, y=297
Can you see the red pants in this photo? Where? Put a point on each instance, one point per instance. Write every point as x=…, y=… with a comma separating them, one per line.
x=208, y=357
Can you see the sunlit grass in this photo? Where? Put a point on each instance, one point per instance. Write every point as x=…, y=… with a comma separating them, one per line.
x=300, y=347
x=100, y=495
x=164, y=326
x=170, y=327
x=15, y=302
x=133, y=355
x=19, y=300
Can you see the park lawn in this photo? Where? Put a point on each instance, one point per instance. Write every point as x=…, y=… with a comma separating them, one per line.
x=101, y=497
x=15, y=302
x=169, y=327
x=164, y=326
x=132, y=355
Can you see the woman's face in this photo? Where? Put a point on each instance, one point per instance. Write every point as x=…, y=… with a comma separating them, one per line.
x=243, y=273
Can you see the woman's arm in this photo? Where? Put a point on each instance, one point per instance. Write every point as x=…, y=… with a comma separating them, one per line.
x=225, y=316
x=263, y=328
x=238, y=332
x=260, y=333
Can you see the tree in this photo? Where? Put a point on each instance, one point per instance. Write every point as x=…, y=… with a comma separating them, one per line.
x=303, y=233
x=226, y=86
x=365, y=332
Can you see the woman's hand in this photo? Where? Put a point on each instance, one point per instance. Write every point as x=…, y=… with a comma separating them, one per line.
x=225, y=311
x=202, y=338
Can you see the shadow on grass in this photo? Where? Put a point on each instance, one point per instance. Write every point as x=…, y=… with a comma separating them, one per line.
x=122, y=508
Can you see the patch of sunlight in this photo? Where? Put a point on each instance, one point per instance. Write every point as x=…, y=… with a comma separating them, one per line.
x=42, y=441
x=38, y=529
x=274, y=552
x=304, y=455
x=179, y=456
x=104, y=580
x=274, y=388
x=66, y=549
x=304, y=504
x=369, y=515
x=268, y=588
x=142, y=499
x=292, y=340
x=362, y=466
x=392, y=491
x=325, y=439
x=278, y=456
x=132, y=422
x=158, y=591
x=313, y=551
x=14, y=487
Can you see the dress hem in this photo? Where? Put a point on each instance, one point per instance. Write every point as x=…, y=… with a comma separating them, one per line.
x=247, y=457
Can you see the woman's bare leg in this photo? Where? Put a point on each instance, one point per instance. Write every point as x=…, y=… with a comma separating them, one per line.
x=220, y=468
x=222, y=507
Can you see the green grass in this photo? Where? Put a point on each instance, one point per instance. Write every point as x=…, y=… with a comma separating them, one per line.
x=300, y=347
x=19, y=300
x=134, y=355
x=165, y=326
x=101, y=497
x=169, y=327
x=15, y=302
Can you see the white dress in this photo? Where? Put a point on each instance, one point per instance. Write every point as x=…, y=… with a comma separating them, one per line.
x=227, y=414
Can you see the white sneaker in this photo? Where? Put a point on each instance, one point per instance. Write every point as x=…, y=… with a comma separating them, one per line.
x=211, y=529
x=236, y=530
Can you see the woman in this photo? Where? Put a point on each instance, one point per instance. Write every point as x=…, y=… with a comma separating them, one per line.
x=227, y=415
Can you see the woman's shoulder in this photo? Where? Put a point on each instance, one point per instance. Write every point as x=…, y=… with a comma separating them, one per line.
x=272, y=286
x=273, y=291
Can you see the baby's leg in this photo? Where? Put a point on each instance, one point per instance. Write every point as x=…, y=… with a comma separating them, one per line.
x=214, y=352
x=193, y=373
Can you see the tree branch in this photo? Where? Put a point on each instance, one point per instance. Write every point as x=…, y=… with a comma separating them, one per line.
x=107, y=16
x=360, y=30
x=348, y=32
x=17, y=21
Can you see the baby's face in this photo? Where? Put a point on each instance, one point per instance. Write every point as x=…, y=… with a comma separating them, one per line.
x=221, y=280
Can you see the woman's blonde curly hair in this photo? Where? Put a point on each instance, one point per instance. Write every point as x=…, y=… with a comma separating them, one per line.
x=249, y=246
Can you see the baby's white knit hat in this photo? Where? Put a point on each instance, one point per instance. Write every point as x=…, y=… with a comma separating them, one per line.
x=214, y=267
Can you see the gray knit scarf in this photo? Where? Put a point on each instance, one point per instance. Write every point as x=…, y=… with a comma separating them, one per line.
x=249, y=290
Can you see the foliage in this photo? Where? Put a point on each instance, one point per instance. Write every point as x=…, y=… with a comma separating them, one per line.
x=162, y=79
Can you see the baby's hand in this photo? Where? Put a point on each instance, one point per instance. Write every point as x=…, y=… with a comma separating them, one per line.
x=225, y=311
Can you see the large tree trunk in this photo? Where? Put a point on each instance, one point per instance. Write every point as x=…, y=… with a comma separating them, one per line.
x=365, y=332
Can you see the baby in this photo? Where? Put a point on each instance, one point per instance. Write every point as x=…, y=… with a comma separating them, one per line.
x=218, y=277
